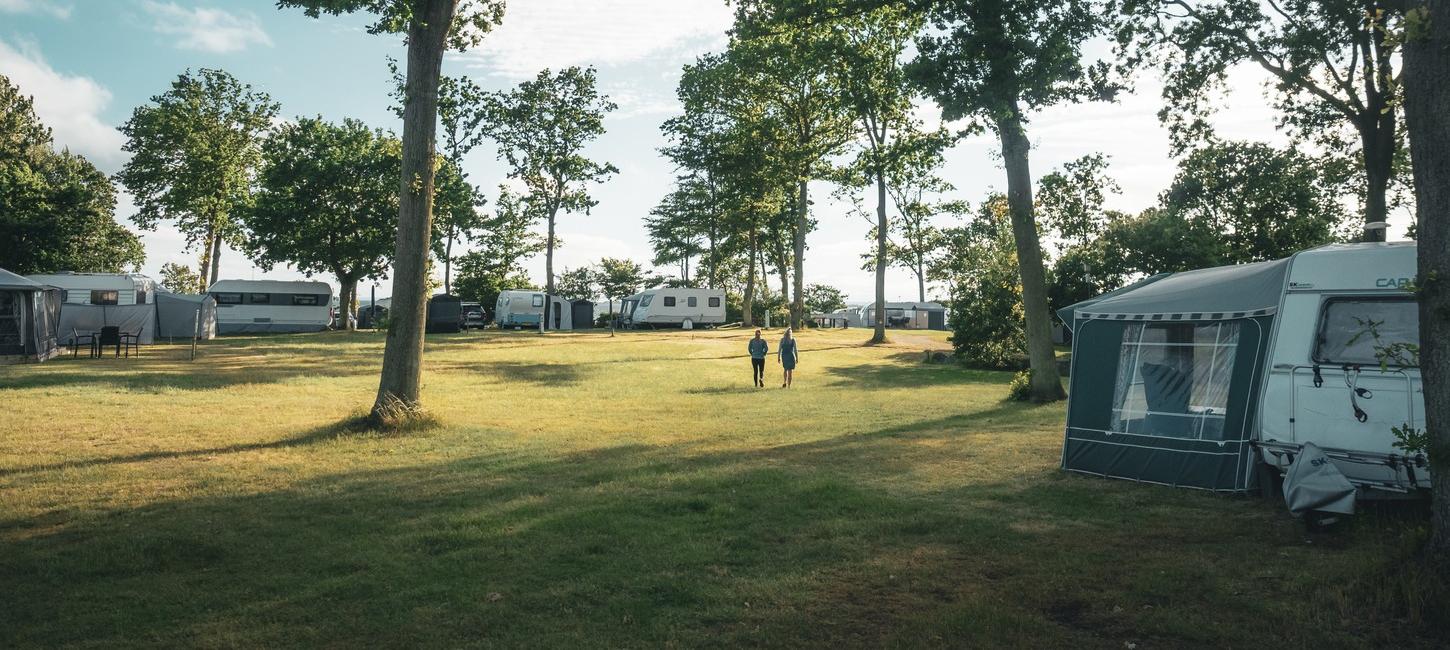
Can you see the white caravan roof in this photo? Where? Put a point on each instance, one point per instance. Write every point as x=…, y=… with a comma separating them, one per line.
x=1354, y=267
x=107, y=281
x=270, y=286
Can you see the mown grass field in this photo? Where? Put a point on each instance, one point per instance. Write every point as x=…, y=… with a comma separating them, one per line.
x=636, y=491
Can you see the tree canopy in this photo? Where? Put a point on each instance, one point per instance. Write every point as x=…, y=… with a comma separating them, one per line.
x=326, y=201
x=194, y=151
x=56, y=209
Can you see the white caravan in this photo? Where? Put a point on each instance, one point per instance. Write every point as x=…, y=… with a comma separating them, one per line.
x=100, y=288
x=1324, y=383
x=254, y=306
x=1222, y=378
x=524, y=309
x=674, y=307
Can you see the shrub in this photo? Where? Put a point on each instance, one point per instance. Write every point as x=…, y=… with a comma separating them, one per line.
x=1020, y=388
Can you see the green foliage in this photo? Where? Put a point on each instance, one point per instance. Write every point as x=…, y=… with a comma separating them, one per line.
x=327, y=200
x=1070, y=200
x=822, y=298
x=505, y=241
x=996, y=60
x=619, y=278
x=542, y=127
x=979, y=263
x=1020, y=388
x=471, y=20
x=56, y=209
x=179, y=278
x=1230, y=204
x=1332, y=74
x=1405, y=354
x=577, y=284
x=194, y=150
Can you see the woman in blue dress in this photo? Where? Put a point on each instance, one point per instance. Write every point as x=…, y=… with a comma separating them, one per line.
x=788, y=355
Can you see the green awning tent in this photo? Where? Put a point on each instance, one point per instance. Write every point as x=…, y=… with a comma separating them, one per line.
x=1166, y=376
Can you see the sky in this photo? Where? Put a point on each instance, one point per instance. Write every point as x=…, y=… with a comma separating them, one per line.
x=89, y=63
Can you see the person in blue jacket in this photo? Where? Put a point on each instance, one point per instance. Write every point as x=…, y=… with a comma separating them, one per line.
x=789, y=355
x=758, y=349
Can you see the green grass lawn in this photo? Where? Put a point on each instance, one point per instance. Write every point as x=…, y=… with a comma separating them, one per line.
x=582, y=490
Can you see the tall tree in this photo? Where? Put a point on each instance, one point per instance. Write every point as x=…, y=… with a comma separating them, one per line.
x=787, y=69
x=542, y=127
x=462, y=111
x=869, y=50
x=680, y=227
x=506, y=239
x=619, y=278
x=326, y=203
x=1427, y=118
x=457, y=207
x=179, y=278
x=194, y=150
x=1330, y=63
x=56, y=209
x=997, y=61
x=578, y=284
x=431, y=27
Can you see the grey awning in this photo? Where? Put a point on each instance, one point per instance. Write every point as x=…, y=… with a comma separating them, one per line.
x=11, y=281
x=1207, y=294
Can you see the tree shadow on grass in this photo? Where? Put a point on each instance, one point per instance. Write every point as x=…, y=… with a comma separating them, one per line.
x=810, y=544
x=908, y=369
x=313, y=436
x=219, y=367
x=542, y=374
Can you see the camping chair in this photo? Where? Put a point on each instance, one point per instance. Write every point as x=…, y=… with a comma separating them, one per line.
x=132, y=342
x=110, y=336
x=76, y=338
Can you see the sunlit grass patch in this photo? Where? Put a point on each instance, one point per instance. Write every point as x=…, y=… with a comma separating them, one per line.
x=578, y=489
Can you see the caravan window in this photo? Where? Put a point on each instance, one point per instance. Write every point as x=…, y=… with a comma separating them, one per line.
x=141, y=297
x=304, y=299
x=669, y=301
x=1344, y=329
x=692, y=301
x=646, y=300
x=259, y=298
x=714, y=301
x=1173, y=379
x=538, y=300
x=104, y=297
x=227, y=298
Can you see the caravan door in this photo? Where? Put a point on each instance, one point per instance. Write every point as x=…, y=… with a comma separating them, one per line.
x=1345, y=400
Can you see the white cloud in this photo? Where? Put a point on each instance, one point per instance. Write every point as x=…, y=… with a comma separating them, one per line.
x=47, y=7
x=69, y=105
x=559, y=33
x=208, y=30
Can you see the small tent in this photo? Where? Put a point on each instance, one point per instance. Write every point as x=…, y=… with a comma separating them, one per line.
x=182, y=316
x=1166, y=376
x=445, y=314
x=29, y=312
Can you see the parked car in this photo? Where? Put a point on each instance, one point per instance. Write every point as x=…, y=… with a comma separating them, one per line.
x=472, y=316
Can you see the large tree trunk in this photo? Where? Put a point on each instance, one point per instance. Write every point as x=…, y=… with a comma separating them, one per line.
x=549, y=271
x=880, y=335
x=1427, y=118
x=1377, y=139
x=402, y=375
x=798, y=245
x=1046, y=382
x=346, y=294
x=746, y=308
